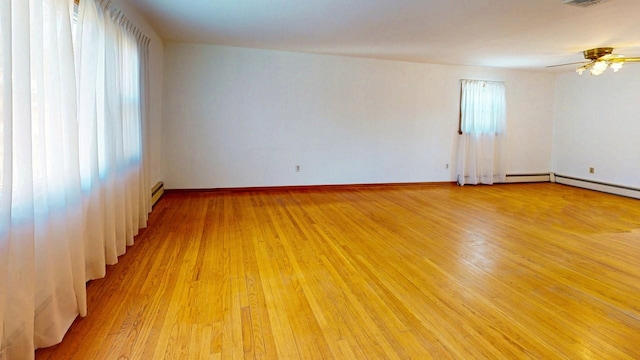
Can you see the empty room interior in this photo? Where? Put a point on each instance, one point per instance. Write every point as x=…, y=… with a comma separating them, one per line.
x=320, y=179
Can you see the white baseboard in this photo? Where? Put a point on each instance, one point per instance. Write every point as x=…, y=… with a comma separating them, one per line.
x=597, y=186
x=527, y=178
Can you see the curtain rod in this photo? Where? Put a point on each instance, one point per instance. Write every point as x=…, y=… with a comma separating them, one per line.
x=487, y=81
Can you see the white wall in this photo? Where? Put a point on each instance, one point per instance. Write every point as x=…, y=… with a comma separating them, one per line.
x=155, y=92
x=236, y=117
x=597, y=124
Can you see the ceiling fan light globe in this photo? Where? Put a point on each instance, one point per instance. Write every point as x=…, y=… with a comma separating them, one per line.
x=616, y=66
x=600, y=66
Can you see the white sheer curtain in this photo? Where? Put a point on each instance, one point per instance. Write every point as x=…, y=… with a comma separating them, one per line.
x=110, y=111
x=42, y=275
x=73, y=191
x=482, y=125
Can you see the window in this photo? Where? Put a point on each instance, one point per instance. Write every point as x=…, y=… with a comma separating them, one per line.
x=482, y=132
x=482, y=107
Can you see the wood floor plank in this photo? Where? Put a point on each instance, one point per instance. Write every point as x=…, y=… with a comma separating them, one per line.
x=377, y=272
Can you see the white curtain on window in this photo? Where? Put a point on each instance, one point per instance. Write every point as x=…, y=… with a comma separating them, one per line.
x=72, y=182
x=42, y=278
x=480, y=148
x=109, y=58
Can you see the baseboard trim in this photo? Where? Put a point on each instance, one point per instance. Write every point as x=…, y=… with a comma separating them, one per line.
x=527, y=178
x=598, y=186
x=621, y=190
x=311, y=187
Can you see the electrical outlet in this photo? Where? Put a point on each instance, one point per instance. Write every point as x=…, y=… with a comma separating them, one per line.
x=592, y=170
x=297, y=168
x=446, y=166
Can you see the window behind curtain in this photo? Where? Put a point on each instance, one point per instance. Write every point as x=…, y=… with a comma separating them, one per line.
x=482, y=107
x=132, y=131
x=118, y=142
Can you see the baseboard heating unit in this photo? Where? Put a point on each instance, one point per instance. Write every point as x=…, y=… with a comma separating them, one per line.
x=527, y=178
x=156, y=192
x=597, y=186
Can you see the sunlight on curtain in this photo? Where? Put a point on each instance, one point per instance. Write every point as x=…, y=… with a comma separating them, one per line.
x=73, y=190
x=110, y=113
x=42, y=250
x=480, y=147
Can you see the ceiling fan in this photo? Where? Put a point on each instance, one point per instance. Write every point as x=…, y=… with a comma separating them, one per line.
x=599, y=60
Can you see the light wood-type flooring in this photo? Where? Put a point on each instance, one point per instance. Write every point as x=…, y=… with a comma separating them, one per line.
x=518, y=271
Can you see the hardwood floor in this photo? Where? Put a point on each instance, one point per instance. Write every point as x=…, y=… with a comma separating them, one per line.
x=437, y=271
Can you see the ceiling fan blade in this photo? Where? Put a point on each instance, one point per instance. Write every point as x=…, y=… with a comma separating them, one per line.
x=573, y=63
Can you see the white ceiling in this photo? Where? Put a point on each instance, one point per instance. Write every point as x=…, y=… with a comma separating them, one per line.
x=522, y=34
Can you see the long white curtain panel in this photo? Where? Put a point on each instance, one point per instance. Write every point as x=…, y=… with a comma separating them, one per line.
x=73, y=189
